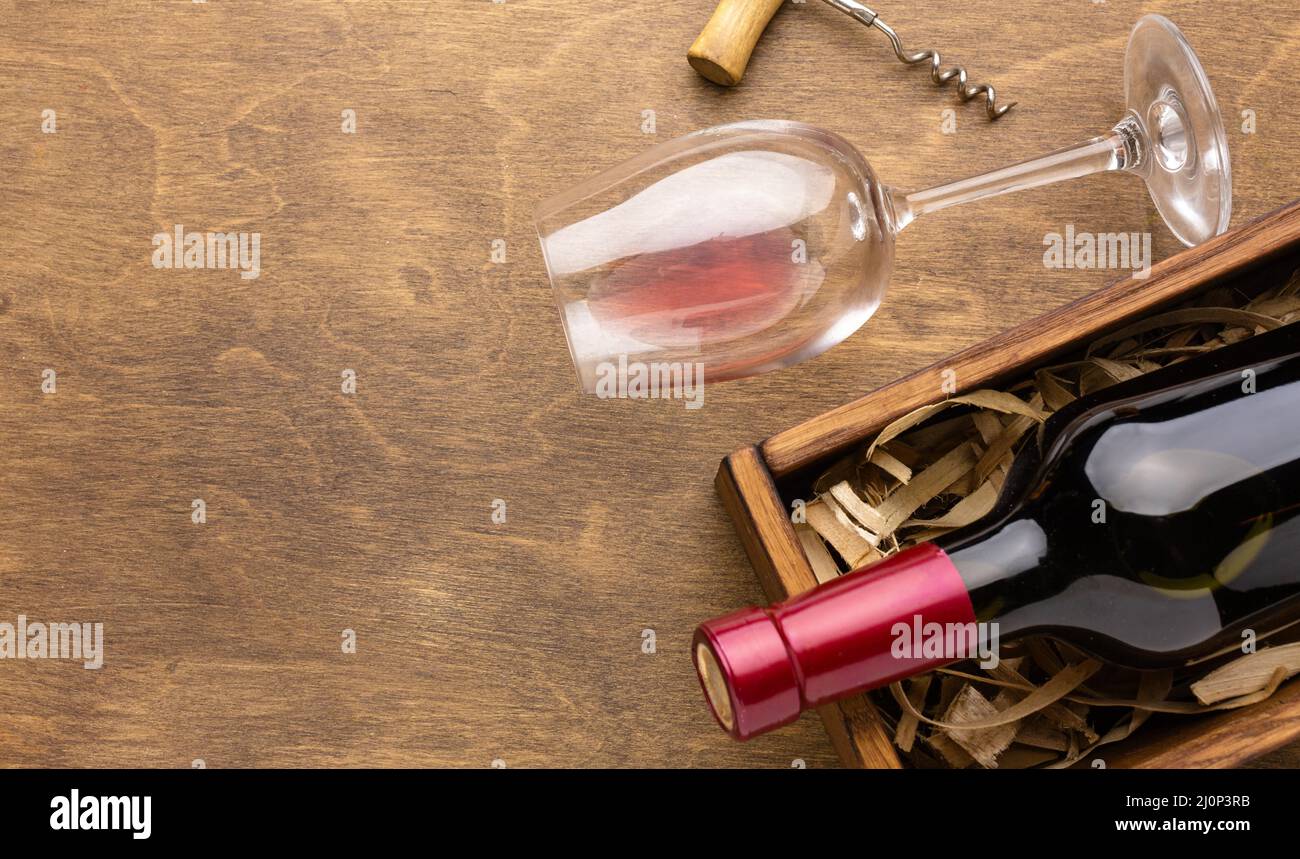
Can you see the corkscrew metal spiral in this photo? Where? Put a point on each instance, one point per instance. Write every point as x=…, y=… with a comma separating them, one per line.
x=938, y=74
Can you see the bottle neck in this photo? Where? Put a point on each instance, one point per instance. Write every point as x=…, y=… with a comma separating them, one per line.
x=999, y=566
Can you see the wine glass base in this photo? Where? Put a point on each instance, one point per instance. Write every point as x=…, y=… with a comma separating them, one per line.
x=1186, y=164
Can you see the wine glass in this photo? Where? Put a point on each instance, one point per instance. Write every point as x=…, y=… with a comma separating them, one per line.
x=753, y=246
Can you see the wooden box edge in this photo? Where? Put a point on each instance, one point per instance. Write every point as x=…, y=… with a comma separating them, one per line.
x=1051, y=333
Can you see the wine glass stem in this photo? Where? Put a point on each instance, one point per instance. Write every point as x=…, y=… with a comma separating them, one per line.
x=1120, y=149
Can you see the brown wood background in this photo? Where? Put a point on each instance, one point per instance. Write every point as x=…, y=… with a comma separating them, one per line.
x=477, y=641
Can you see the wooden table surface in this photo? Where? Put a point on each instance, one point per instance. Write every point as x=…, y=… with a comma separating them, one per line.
x=477, y=641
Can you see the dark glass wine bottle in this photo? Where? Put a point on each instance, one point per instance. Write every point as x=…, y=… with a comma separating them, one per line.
x=1151, y=524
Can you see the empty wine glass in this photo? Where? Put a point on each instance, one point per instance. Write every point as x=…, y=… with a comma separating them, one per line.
x=752, y=246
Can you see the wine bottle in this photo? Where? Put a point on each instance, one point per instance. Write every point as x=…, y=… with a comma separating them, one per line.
x=1152, y=524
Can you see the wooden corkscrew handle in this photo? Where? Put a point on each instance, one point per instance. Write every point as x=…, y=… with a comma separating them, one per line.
x=723, y=48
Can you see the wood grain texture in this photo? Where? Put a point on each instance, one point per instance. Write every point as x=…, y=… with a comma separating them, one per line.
x=519, y=641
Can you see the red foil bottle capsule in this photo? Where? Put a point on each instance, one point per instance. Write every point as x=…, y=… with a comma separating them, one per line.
x=760, y=667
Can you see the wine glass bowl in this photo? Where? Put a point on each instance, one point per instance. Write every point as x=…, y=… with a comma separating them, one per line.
x=741, y=248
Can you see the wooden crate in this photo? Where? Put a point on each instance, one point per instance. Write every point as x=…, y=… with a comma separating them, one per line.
x=751, y=482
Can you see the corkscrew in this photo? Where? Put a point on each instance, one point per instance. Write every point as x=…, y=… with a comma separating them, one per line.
x=722, y=50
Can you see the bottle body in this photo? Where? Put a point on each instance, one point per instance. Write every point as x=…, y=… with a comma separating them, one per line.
x=1150, y=525
x=1154, y=527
